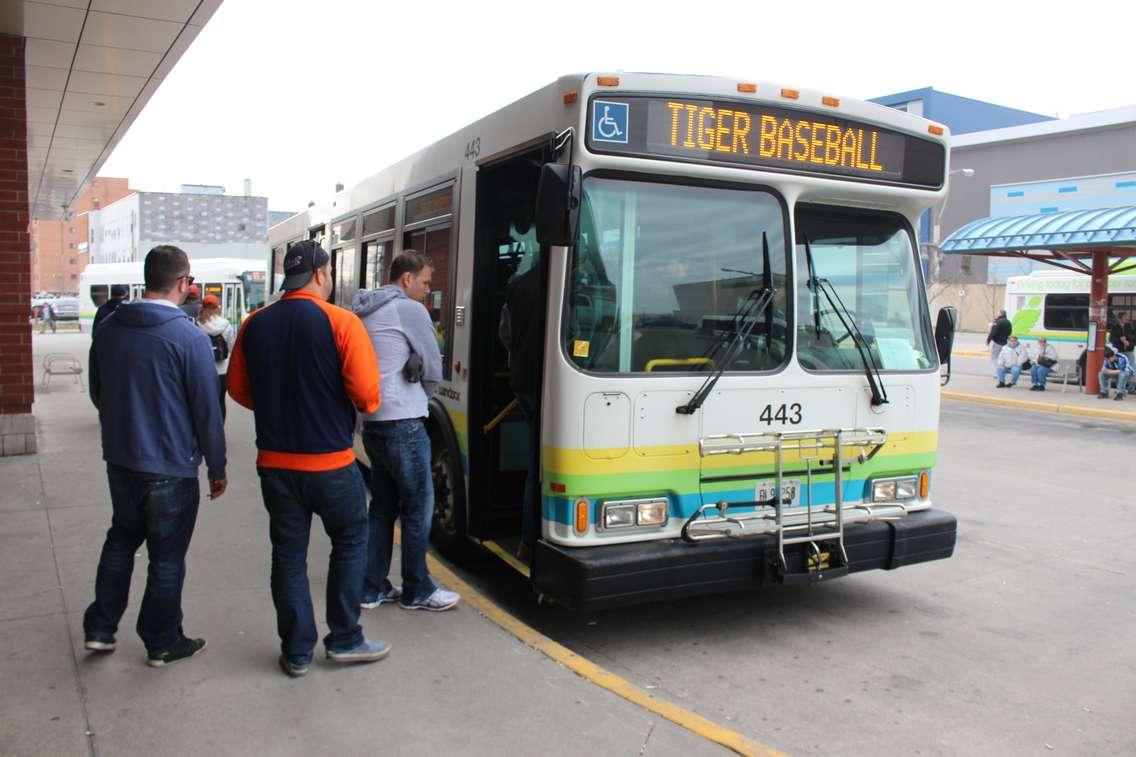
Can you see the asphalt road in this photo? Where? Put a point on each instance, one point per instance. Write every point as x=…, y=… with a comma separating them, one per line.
x=1019, y=644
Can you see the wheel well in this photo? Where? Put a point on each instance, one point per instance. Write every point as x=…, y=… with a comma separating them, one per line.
x=441, y=431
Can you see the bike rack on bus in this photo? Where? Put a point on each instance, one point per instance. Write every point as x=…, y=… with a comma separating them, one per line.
x=808, y=525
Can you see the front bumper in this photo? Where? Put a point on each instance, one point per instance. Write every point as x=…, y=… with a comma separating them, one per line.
x=652, y=571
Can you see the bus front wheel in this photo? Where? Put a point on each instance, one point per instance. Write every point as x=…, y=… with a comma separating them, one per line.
x=449, y=528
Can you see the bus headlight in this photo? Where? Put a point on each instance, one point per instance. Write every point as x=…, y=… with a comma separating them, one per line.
x=895, y=489
x=628, y=513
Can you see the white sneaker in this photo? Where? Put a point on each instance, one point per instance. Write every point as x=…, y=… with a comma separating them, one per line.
x=371, y=601
x=439, y=600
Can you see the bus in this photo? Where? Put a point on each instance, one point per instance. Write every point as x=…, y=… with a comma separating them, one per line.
x=307, y=224
x=740, y=377
x=1055, y=304
x=238, y=283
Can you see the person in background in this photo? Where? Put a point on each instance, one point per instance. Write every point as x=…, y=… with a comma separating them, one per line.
x=221, y=337
x=996, y=339
x=47, y=317
x=395, y=437
x=1010, y=360
x=118, y=294
x=1043, y=363
x=1121, y=336
x=155, y=430
x=1116, y=368
x=305, y=368
x=192, y=304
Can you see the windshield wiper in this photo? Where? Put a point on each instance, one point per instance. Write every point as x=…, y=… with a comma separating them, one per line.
x=741, y=326
x=820, y=286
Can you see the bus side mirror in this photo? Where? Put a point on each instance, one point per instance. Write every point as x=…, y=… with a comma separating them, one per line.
x=558, y=205
x=945, y=326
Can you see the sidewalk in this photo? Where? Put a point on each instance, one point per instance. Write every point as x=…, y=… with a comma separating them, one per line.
x=1072, y=401
x=455, y=683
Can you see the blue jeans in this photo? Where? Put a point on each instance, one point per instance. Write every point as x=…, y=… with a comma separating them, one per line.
x=402, y=487
x=339, y=498
x=529, y=517
x=1038, y=374
x=1121, y=380
x=1015, y=371
x=160, y=511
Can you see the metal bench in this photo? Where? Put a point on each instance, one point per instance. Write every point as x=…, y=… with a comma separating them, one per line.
x=61, y=364
x=1067, y=372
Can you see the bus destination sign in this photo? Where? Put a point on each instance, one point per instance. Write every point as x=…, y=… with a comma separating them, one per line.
x=763, y=136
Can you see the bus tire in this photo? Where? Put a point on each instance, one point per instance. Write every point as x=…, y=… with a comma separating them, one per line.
x=448, y=526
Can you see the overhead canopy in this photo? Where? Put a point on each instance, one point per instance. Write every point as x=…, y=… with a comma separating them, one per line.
x=1060, y=239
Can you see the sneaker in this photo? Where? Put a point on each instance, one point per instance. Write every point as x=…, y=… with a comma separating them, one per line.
x=1119, y=397
x=1000, y=385
x=1041, y=387
x=292, y=669
x=181, y=650
x=99, y=644
x=439, y=600
x=371, y=601
x=367, y=651
x=1102, y=396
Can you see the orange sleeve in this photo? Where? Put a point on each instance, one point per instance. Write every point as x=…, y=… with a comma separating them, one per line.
x=361, y=376
x=240, y=388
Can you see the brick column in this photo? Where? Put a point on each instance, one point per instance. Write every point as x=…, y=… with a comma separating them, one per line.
x=17, y=425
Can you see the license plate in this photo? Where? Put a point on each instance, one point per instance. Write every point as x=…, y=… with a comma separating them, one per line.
x=790, y=491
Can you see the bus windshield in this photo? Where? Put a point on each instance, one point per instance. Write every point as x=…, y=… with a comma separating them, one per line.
x=254, y=290
x=868, y=260
x=661, y=270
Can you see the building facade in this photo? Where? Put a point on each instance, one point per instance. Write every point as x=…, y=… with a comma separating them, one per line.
x=59, y=246
x=202, y=221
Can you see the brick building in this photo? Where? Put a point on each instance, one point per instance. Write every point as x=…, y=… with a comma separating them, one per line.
x=60, y=249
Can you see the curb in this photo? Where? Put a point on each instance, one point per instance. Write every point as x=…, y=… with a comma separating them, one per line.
x=1044, y=407
x=970, y=353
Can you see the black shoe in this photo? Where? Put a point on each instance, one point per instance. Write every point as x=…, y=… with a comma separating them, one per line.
x=1119, y=397
x=181, y=650
x=1041, y=387
x=1102, y=396
x=291, y=669
x=103, y=644
x=1000, y=385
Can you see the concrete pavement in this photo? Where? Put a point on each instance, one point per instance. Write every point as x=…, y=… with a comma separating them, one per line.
x=454, y=683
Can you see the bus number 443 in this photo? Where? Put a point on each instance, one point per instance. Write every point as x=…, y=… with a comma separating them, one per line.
x=782, y=414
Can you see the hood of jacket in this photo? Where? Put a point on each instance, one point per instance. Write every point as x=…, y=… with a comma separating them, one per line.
x=367, y=301
x=214, y=326
x=140, y=313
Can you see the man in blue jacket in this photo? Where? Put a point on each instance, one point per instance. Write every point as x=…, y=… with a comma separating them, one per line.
x=155, y=385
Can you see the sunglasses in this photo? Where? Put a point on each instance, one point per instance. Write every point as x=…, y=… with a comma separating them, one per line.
x=188, y=279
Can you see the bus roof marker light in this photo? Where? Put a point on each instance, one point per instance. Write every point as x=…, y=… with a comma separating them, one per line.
x=790, y=94
x=936, y=130
x=607, y=81
x=748, y=87
x=832, y=102
x=570, y=97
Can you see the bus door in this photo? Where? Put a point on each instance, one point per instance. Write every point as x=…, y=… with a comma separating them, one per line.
x=232, y=305
x=500, y=438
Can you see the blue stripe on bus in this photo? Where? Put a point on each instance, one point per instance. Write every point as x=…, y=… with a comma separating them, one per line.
x=559, y=509
x=1126, y=185
x=1066, y=190
x=1049, y=210
x=1015, y=194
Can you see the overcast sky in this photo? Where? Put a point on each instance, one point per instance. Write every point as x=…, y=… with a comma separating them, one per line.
x=299, y=94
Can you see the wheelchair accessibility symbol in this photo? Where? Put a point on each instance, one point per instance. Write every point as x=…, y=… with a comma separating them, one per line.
x=609, y=121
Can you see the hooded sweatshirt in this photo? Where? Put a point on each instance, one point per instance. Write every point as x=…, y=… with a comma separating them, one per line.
x=398, y=326
x=154, y=383
x=220, y=326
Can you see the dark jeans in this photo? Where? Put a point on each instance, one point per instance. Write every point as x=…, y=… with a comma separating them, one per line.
x=160, y=511
x=223, y=379
x=530, y=511
x=402, y=487
x=339, y=498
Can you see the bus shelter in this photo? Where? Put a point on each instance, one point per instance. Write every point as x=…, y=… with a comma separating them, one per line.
x=1094, y=242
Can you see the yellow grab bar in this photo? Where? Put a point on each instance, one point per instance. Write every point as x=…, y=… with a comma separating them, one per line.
x=499, y=417
x=663, y=362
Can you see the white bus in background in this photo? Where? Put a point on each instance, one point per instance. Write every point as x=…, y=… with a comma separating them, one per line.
x=237, y=282
x=307, y=224
x=1055, y=304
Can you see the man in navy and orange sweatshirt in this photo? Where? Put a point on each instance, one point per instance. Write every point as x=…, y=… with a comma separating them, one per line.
x=305, y=367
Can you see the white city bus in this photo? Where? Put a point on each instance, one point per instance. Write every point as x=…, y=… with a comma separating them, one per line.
x=237, y=282
x=307, y=224
x=1055, y=304
x=740, y=378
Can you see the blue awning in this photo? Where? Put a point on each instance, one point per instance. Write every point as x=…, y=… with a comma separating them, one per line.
x=1074, y=230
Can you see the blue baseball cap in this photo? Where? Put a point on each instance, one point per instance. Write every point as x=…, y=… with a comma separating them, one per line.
x=301, y=261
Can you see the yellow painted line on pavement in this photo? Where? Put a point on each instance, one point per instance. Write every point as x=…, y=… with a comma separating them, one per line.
x=603, y=678
x=1045, y=407
x=970, y=353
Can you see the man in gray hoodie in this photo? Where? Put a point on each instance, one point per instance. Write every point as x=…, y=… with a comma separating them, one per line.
x=395, y=436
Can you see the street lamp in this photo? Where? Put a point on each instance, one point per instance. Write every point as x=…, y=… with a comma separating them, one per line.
x=936, y=228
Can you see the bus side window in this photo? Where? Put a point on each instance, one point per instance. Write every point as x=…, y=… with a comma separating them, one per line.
x=434, y=243
x=233, y=304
